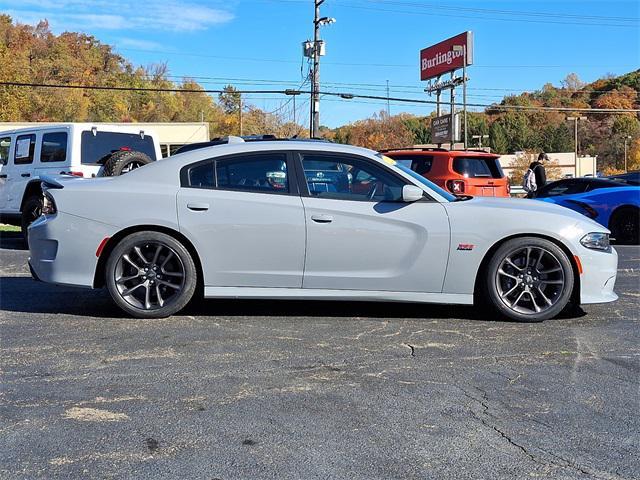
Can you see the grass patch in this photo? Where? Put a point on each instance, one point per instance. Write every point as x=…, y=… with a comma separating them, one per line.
x=8, y=228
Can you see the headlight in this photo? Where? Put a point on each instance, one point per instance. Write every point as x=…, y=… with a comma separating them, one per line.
x=596, y=241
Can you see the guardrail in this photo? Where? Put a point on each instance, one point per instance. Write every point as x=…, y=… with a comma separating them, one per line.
x=517, y=191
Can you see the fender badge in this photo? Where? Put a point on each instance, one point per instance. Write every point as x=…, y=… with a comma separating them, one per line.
x=465, y=246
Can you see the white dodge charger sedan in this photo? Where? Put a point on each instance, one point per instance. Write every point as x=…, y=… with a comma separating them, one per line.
x=312, y=220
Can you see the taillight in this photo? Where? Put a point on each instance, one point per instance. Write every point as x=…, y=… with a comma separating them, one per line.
x=76, y=174
x=455, y=186
x=48, y=204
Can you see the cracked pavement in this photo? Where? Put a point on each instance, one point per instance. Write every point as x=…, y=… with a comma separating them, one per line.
x=265, y=389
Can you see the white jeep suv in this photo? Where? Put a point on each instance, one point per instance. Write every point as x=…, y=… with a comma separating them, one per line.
x=79, y=149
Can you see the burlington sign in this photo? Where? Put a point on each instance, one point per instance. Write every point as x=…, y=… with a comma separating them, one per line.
x=440, y=58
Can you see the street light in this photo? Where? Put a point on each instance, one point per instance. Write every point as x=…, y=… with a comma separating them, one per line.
x=479, y=138
x=463, y=49
x=576, y=120
x=626, y=138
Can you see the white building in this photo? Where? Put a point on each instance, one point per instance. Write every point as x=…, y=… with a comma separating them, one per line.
x=171, y=136
x=586, y=165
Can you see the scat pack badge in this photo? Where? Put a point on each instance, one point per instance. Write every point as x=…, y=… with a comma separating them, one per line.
x=466, y=246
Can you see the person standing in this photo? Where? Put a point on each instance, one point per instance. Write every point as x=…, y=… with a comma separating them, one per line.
x=539, y=174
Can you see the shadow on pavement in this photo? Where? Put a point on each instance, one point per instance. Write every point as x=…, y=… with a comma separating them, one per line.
x=23, y=294
x=12, y=241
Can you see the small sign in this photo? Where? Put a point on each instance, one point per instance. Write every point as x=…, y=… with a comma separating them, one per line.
x=441, y=129
x=22, y=147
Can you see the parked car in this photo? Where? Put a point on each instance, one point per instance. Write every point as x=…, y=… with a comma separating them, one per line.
x=461, y=172
x=571, y=186
x=247, y=220
x=78, y=149
x=631, y=178
x=617, y=208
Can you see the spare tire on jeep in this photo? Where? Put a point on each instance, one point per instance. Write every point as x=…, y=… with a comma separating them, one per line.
x=124, y=161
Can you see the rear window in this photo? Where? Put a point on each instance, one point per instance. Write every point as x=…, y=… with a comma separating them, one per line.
x=418, y=163
x=96, y=148
x=477, y=167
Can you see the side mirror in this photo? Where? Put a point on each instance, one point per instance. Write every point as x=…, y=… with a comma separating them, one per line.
x=411, y=193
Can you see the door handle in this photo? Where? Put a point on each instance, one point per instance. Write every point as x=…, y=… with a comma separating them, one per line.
x=322, y=218
x=25, y=174
x=198, y=207
x=3, y=175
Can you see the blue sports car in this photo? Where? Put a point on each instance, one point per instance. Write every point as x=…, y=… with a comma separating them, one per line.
x=617, y=208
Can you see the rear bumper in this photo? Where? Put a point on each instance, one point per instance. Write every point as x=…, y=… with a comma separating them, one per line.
x=63, y=248
x=598, y=277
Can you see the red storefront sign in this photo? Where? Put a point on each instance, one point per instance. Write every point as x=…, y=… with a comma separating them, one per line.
x=440, y=58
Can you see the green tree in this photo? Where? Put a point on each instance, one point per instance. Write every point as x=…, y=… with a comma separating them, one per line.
x=498, y=138
x=230, y=99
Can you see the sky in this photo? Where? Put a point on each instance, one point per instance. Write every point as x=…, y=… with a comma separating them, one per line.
x=256, y=44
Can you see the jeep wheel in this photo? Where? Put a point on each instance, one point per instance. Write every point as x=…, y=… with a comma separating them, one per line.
x=124, y=161
x=31, y=210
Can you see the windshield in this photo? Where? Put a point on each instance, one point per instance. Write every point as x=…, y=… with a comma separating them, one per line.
x=443, y=193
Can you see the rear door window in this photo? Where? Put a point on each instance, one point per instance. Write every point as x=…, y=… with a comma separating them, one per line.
x=54, y=147
x=97, y=148
x=5, y=144
x=477, y=167
x=254, y=173
x=25, y=146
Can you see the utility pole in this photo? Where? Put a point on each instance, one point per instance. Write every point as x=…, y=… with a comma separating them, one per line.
x=388, y=105
x=626, y=138
x=315, y=89
x=575, y=140
x=315, y=50
x=240, y=111
x=453, y=112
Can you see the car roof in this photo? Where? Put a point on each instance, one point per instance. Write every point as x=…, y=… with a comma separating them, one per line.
x=101, y=127
x=439, y=151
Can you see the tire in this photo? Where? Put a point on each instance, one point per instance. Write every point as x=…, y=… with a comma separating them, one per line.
x=534, y=293
x=624, y=225
x=31, y=210
x=124, y=161
x=143, y=291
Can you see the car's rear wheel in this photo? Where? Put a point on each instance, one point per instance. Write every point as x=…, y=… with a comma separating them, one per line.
x=529, y=279
x=150, y=275
x=625, y=225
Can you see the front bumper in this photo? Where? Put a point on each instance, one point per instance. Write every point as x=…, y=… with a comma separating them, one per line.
x=599, y=276
x=62, y=249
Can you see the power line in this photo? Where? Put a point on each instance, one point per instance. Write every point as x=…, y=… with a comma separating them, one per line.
x=503, y=15
x=348, y=64
x=342, y=95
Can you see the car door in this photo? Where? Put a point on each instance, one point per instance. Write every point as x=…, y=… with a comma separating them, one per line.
x=245, y=216
x=5, y=152
x=21, y=171
x=362, y=236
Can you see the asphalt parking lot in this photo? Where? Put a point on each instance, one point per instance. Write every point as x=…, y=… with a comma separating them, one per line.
x=264, y=389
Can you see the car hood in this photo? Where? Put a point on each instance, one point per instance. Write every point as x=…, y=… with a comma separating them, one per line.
x=523, y=212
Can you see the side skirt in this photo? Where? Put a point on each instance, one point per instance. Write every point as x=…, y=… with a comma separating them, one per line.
x=322, y=294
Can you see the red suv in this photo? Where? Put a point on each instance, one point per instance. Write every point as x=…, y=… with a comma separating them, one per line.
x=462, y=172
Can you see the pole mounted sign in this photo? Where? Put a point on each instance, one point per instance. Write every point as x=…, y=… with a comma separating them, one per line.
x=442, y=58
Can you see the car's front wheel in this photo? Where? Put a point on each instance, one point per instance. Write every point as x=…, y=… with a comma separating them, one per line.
x=529, y=279
x=150, y=275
